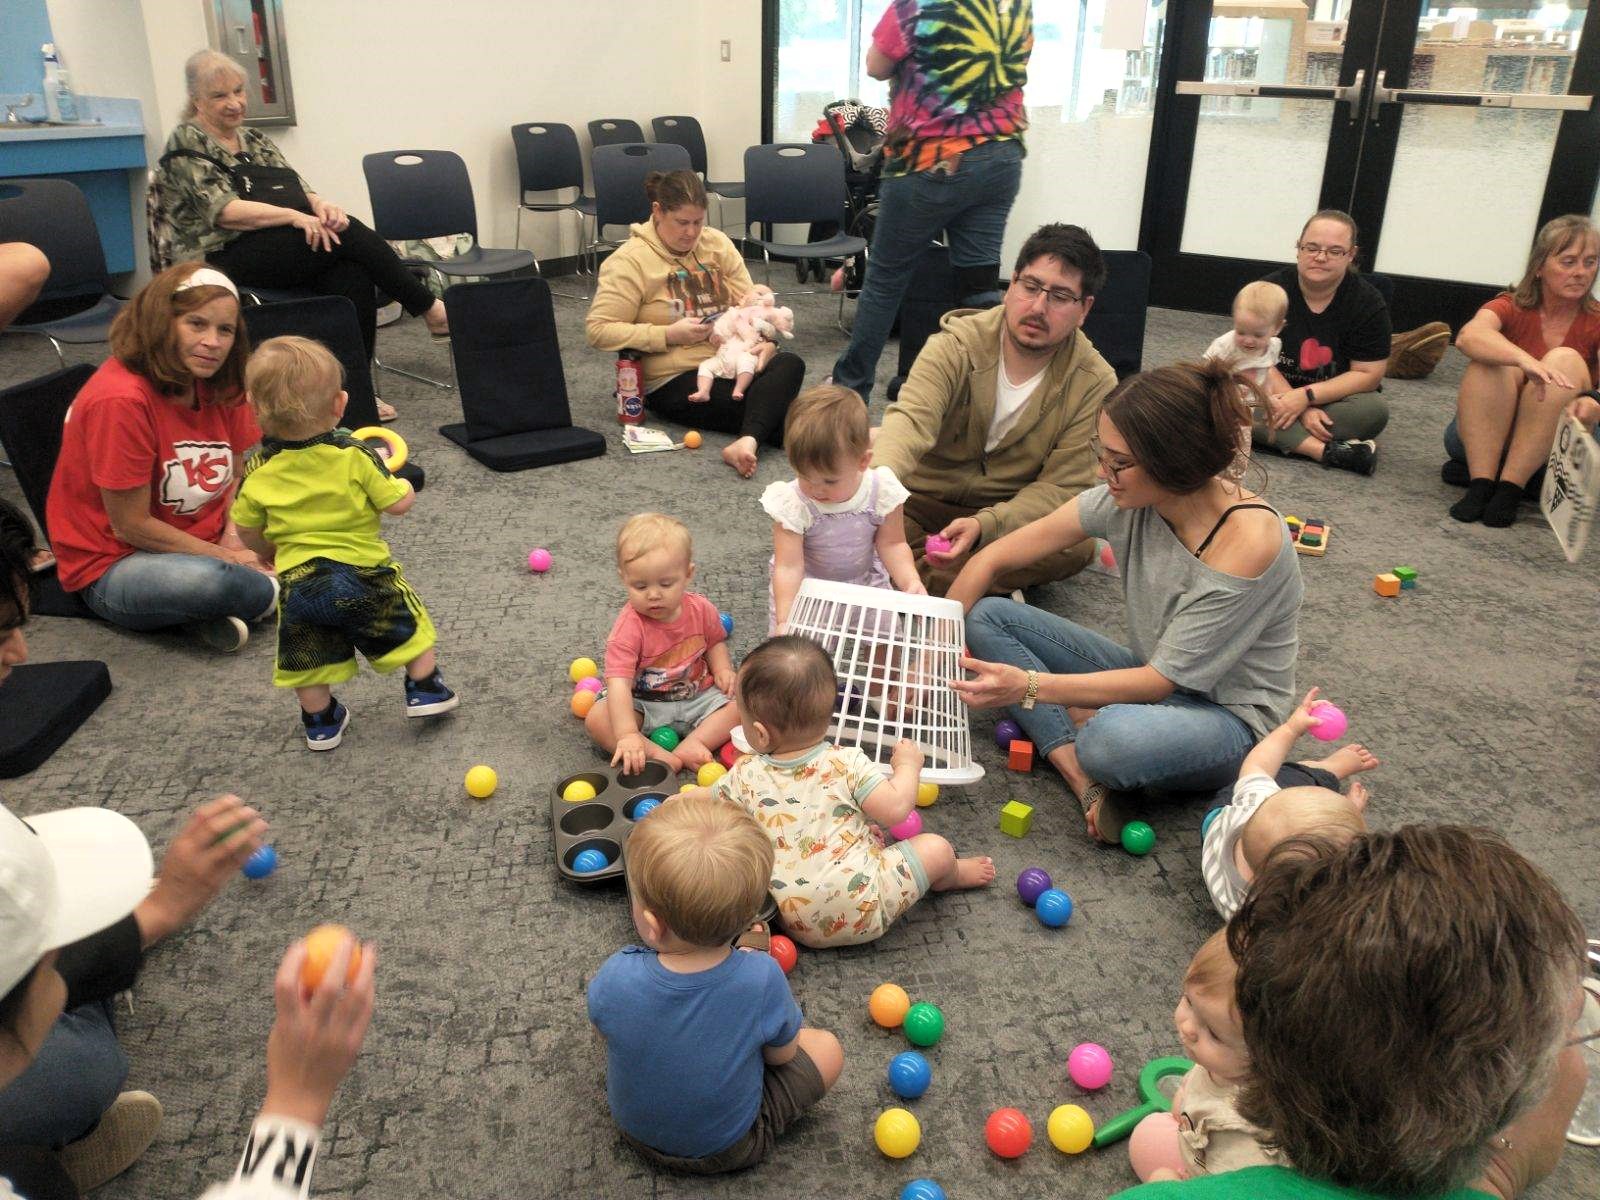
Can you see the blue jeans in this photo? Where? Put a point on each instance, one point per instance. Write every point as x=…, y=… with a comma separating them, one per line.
x=969, y=205
x=1453, y=445
x=65, y=1091
x=1184, y=743
x=156, y=591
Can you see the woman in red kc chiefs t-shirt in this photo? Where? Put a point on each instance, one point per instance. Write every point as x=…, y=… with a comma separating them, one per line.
x=150, y=457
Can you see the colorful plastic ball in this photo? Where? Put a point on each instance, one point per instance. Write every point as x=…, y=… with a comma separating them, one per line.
x=1089, y=1065
x=1053, y=908
x=1006, y=731
x=1070, y=1128
x=922, y=1189
x=909, y=1074
x=578, y=791
x=539, y=560
x=935, y=544
x=689, y=787
x=784, y=950
x=1008, y=1132
x=587, y=862
x=1331, y=722
x=1108, y=558
x=889, y=1005
x=1032, y=884
x=1138, y=838
x=1205, y=825
x=896, y=1132
x=1154, y=1145
x=927, y=793
x=727, y=623
x=582, y=668
x=909, y=828
x=645, y=807
x=728, y=755
x=582, y=701
x=924, y=1024
x=321, y=943
x=591, y=683
x=261, y=864
x=709, y=773
x=665, y=736
x=481, y=782
x=692, y=439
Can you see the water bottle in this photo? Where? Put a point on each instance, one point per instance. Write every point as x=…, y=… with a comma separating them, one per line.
x=630, y=397
x=59, y=103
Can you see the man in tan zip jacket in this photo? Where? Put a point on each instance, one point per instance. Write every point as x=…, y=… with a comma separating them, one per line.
x=991, y=429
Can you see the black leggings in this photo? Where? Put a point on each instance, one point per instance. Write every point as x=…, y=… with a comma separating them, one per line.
x=279, y=258
x=759, y=415
x=36, y=1174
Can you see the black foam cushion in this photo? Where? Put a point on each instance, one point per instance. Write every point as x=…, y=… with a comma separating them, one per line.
x=533, y=448
x=507, y=357
x=42, y=705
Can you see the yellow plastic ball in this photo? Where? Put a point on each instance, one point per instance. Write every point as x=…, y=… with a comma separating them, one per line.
x=578, y=791
x=1071, y=1129
x=481, y=782
x=927, y=793
x=688, y=787
x=582, y=668
x=692, y=439
x=582, y=702
x=897, y=1132
x=889, y=1005
x=710, y=772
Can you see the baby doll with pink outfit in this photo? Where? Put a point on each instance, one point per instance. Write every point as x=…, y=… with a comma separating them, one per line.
x=746, y=341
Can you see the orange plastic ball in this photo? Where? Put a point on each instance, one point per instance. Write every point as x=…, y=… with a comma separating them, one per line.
x=692, y=439
x=321, y=944
x=582, y=702
x=889, y=1005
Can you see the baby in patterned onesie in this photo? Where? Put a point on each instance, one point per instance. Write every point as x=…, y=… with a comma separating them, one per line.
x=836, y=881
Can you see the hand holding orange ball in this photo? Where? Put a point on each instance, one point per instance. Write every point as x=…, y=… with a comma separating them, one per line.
x=322, y=944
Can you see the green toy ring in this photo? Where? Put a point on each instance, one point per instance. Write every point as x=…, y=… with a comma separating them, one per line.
x=1155, y=1100
x=396, y=458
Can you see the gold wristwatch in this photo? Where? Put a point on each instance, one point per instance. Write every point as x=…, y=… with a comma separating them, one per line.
x=1032, y=693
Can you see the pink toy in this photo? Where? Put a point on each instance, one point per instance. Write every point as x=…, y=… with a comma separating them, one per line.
x=1331, y=721
x=936, y=545
x=1108, y=560
x=590, y=683
x=1089, y=1065
x=748, y=336
x=909, y=828
x=539, y=560
x=1154, y=1146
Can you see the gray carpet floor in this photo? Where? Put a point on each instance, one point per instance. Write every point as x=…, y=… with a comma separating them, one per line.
x=481, y=1077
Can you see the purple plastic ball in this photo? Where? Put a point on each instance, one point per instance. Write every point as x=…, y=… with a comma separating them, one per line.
x=1006, y=731
x=1031, y=883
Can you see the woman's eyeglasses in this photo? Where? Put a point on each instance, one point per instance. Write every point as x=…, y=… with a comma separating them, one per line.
x=1113, y=467
x=1315, y=250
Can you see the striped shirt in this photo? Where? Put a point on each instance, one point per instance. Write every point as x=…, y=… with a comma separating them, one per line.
x=1218, y=861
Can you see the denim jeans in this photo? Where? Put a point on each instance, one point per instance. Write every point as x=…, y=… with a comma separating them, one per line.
x=1183, y=743
x=67, y=1088
x=156, y=591
x=1454, y=447
x=969, y=205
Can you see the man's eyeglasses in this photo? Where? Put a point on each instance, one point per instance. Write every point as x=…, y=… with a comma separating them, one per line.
x=1314, y=250
x=1057, y=297
x=1111, y=466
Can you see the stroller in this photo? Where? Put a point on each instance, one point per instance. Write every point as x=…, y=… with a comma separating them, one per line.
x=858, y=131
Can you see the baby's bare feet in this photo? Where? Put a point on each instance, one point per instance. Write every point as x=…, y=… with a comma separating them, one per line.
x=1358, y=796
x=692, y=754
x=740, y=454
x=974, y=872
x=1347, y=761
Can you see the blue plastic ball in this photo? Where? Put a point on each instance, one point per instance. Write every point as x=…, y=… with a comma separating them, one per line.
x=645, y=807
x=727, y=624
x=589, y=861
x=1205, y=825
x=261, y=864
x=922, y=1189
x=909, y=1074
x=1054, y=907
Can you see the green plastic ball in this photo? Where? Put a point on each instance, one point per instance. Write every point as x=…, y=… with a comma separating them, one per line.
x=668, y=740
x=1138, y=838
x=924, y=1024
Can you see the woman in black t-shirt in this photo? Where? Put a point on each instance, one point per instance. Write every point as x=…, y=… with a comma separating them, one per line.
x=1335, y=348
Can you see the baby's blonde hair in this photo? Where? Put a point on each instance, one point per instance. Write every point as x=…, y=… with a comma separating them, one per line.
x=1300, y=812
x=702, y=865
x=1213, y=970
x=292, y=383
x=1265, y=300
x=644, y=533
x=826, y=425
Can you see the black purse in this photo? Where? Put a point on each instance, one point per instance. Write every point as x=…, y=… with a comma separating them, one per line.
x=253, y=181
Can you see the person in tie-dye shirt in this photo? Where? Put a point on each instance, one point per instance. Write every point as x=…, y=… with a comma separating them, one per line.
x=952, y=158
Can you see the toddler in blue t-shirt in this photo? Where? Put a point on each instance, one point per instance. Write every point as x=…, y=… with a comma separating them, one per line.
x=707, y=1061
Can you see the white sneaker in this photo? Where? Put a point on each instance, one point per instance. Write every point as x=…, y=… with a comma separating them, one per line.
x=226, y=635
x=1016, y=594
x=115, y=1144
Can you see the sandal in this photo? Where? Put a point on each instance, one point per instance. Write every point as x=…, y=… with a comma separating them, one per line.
x=41, y=562
x=386, y=411
x=757, y=937
x=1109, y=809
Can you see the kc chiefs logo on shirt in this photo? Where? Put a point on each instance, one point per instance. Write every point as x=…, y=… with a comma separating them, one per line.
x=197, y=475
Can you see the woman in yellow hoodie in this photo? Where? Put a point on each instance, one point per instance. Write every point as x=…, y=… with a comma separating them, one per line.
x=655, y=296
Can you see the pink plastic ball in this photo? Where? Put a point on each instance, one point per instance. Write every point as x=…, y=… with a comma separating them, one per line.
x=590, y=683
x=936, y=545
x=1155, y=1145
x=539, y=560
x=1108, y=560
x=1089, y=1065
x=1331, y=721
x=909, y=828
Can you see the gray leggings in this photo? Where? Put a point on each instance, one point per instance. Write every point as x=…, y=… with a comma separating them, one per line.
x=1360, y=416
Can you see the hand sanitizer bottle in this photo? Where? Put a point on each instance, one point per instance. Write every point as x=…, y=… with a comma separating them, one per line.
x=59, y=102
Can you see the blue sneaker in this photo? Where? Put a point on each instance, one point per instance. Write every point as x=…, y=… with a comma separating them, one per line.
x=325, y=730
x=429, y=697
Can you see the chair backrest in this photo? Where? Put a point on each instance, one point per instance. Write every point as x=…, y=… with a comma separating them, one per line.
x=31, y=418
x=1116, y=322
x=548, y=157
x=685, y=132
x=614, y=131
x=793, y=184
x=418, y=194
x=332, y=321
x=507, y=357
x=619, y=173
x=54, y=215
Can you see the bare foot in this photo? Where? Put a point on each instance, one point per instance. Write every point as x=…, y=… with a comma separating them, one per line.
x=974, y=872
x=699, y=398
x=740, y=454
x=737, y=395
x=1347, y=761
x=693, y=754
x=41, y=561
x=1358, y=796
x=386, y=411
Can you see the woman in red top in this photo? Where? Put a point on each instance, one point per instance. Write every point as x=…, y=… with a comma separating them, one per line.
x=1533, y=350
x=150, y=457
